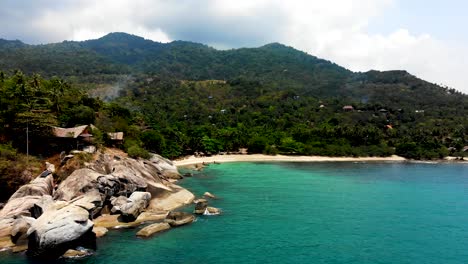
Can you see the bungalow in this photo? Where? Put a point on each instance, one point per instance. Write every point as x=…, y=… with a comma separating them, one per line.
x=72, y=138
x=348, y=108
x=115, y=136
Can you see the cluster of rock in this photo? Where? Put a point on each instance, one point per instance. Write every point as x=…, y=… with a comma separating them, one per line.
x=175, y=219
x=202, y=208
x=49, y=222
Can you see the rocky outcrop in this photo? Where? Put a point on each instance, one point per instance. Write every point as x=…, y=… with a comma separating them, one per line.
x=136, y=203
x=37, y=187
x=91, y=201
x=20, y=229
x=53, y=222
x=59, y=228
x=168, y=201
x=165, y=166
x=100, y=231
x=209, y=195
x=26, y=196
x=200, y=206
x=179, y=218
x=212, y=211
x=152, y=229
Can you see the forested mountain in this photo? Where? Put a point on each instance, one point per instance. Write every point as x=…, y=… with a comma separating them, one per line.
x=182, y=97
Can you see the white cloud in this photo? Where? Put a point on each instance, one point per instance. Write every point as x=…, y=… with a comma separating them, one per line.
x=336, y=30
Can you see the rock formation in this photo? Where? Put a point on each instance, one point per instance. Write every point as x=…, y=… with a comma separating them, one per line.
x=52, y=222
x=152, y=229
x=179, y=218
x=209, y=195
x=59, y=228
x=200, y=206
x=136, y=203
x=212, y=211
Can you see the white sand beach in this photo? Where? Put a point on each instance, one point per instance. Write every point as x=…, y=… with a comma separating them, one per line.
x=260, y=157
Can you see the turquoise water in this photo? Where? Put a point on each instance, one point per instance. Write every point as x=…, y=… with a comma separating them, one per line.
x=311, y=213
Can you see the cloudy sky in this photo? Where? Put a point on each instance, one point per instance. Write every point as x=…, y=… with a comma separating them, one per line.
x=428, y=38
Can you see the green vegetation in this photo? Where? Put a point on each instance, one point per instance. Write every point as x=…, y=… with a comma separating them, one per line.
x=180, y=98
x=15, y=170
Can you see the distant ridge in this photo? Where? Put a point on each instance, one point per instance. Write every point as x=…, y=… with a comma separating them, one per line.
x=277, y=64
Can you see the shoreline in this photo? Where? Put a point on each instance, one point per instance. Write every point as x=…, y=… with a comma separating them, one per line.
x=192, y=160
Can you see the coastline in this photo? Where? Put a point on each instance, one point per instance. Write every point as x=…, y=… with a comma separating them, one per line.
x=192, y=160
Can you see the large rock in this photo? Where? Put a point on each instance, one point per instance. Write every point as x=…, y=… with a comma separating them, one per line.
x=6, y=224
x=152, y=229
x=168, y=201
x=200, y=206
x=41, y=205
x=37, y=187
x=209, y=195
x=23, y=206
x=139, y=172
x=117, y=203
x=113, y=222
x=113, y=177
x=78, y=183
x=58, y=229
x=103, y=186
x=166, y=167
x=21, y=202
x=179, y=218
x=91, y=201
x=137, y=202
x=20, y=229
x=212, y=211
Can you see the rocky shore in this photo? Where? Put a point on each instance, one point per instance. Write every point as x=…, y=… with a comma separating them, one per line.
x=111, y=192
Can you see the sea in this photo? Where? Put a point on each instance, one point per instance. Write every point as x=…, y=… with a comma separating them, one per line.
x=309, y=213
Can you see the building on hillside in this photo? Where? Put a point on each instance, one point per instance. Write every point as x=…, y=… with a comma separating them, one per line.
x=72, y=138
x=116, y=137
x=348, y=108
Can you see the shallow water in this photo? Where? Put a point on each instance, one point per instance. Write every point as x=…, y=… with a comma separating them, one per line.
x=311, y=213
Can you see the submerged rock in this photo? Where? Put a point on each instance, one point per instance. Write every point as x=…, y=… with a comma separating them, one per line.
x=77, y=253
x=212, y=211
x=209, y=195
x=152, y=229
x=201, y=206
x=179, y=218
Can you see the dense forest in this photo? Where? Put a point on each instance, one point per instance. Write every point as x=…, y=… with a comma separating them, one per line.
x=181, y=97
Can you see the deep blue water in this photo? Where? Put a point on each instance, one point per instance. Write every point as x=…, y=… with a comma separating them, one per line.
x=311, y=213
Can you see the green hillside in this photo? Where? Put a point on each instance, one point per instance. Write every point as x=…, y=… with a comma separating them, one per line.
x=182, y=97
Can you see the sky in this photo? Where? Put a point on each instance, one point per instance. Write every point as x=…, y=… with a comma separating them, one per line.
x=428, y=38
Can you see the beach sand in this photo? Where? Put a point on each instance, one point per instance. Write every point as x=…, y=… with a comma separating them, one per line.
x=260, y=157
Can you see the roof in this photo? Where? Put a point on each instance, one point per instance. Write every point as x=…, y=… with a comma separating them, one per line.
x=116, y=135
x=73, y=132
x=348, y=107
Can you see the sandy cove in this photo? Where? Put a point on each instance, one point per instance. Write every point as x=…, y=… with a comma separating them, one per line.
x=267, y=158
